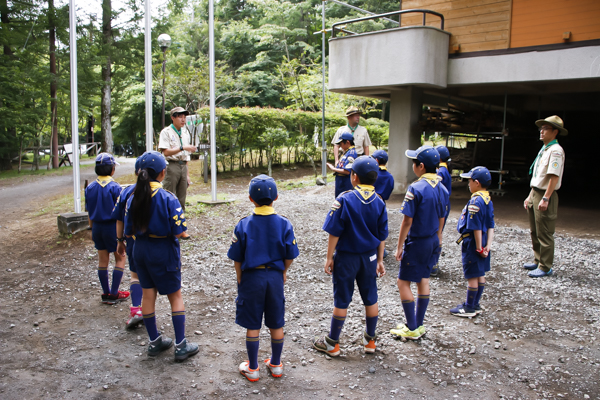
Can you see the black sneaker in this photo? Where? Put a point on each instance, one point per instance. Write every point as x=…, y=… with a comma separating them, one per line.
x=159, y=345
x=184, y=350
x=105, y=298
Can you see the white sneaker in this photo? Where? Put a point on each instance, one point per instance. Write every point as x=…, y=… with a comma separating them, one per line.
x=250, y=374
x=276, y=370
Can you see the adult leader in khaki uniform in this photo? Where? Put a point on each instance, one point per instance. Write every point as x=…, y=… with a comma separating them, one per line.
x=542, y=202
x=174, y=144
x=360, y=134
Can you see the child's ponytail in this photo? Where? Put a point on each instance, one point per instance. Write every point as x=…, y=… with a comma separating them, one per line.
x=142, y=199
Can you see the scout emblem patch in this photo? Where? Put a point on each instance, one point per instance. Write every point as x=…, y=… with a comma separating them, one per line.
x=336, y=205
x=409, y=196
x=234, y=238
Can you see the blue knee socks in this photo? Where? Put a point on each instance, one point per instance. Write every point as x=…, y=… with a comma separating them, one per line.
x=276, y=349
x=371, y=325
x=422, y=303
x=116, y=281
x=409, y=312
x=150, y=324
x=471, y=294
x=479, y=292
x=136, y=294
x=178, y=318
x=103, y=276
x=337, y=323
x=252, y=348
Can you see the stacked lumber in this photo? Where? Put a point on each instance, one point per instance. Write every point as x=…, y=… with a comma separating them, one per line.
x=460, y=119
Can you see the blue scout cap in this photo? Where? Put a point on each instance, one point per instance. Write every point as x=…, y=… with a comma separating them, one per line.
x=481, y=174
x=154, y=161
x=381, y=155
x=106, y=159
x=444, y=152
x=365, y=164
x=138, y=162
x=263, y=189
x=345, y=136
x=425, y=154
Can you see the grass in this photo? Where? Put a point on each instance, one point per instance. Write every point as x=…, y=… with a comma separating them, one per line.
x=27, y=171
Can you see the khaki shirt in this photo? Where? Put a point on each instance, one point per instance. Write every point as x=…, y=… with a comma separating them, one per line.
x=551, y=162
x=361, y=138
x=169, y=139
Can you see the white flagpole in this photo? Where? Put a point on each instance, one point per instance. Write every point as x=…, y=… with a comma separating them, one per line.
x=74, y=105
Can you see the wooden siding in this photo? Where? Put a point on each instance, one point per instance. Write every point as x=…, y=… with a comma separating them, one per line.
x=540, y=22
x=475, y=25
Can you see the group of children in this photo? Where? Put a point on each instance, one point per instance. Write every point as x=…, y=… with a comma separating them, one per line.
x=147, y=220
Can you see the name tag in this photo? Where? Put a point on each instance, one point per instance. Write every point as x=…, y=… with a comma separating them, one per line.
x=373, y=257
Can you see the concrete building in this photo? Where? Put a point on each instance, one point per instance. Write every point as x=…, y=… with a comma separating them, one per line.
x=540, y=56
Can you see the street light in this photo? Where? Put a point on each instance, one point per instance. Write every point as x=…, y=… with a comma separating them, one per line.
x=164, y=41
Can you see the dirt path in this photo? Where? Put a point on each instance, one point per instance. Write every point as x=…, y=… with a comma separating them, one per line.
x=536, y=338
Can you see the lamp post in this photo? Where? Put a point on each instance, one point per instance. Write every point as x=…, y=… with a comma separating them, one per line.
x=164, y=41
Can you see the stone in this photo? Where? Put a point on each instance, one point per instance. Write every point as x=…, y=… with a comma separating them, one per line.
x=372, y=370
x=71, y=223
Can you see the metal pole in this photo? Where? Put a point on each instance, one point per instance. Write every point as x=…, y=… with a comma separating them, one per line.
x=164, y=49
x=213, y=140
x=148, y=78
x=323, y=144
x=365, y=11
x=74, y=106
x=503, y=135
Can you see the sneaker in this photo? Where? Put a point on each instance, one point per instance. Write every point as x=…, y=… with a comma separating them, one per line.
x=478, y=309
x=538, y=273
x=135, y=317
x=402, y=331
x=117, y=298
x=422, y=330
x=275, y=370
x=435, y=271
x=159, y=345
x=530, y=266
x=184, y=350
x=327, y=345
x=250, y=374
x=105, y=298
x=369, y=343
x=462, y=310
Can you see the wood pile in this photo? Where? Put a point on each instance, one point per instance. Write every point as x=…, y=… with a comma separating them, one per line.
x=460, y=119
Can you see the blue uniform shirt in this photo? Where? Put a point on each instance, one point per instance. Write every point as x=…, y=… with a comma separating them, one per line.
x=342, y=182
x=384, y=183
x=100, y=198
x=118, y=211
x=478, y=214
x=446, y=177
x=166, y=215
x=359, y=219
x=263, y=238
x=426, y=201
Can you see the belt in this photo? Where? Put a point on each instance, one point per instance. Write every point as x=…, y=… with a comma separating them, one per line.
x=178, y=162
x=538, y=189
x=156, y=237
x=463, y=236
x=262, y=267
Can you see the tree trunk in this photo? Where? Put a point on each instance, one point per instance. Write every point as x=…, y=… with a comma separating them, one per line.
x=107, y=141
x=53, y=78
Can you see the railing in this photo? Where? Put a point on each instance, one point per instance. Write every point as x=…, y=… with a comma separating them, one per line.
x=390, y=14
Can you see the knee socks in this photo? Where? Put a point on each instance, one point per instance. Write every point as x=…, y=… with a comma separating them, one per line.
x=337, y=323
x=276, y=349
x=178, y=318
x=471, y=294
x=409, y=313
x=479, y=292
x=422, y=303
x=136, y=294
x=252, y=349
x=116, y=281
x=103, y=276
x=150, y=324
x=371, y=325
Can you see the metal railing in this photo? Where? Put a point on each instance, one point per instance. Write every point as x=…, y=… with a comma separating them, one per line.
x=390, y=14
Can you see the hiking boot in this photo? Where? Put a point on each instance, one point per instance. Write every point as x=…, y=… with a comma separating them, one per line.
x=326, y=345
x=530, y=266
x=464, y=311
x=369, y=343
x=250, y=374
x=275, y=370
x=135, y=317
x=435, y=271
x=159, y=345
x=538, y=273
x=117, y=298
x=184, y=350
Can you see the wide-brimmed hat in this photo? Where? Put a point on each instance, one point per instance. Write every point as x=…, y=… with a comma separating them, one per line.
x=179, y=110
x=352, y=110
x=556, y=122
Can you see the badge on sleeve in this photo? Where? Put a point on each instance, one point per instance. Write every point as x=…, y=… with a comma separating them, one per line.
x=473, y=208
x=336, y=205
x=409, y=196
x=234, y=238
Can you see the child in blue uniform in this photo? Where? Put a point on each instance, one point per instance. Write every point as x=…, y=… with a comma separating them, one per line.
x=358, y=226
x=100, y=198
x=476, y=227
x=385, y=181
x=344, y=165
x=444, y=173
x=125, y=247
x=424, y=208
x=263, y=247
x=156, y=219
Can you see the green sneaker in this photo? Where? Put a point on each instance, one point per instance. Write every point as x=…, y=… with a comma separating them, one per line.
x=402, y=331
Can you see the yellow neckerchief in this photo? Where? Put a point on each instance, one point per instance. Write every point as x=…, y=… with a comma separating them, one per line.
x=484, y=194
x=443, y=164
x=264, y=210
x=432, y=179
x=104, y=180
x=383, y=168
x=365, y=191
x=154, y=186
x=349, y=148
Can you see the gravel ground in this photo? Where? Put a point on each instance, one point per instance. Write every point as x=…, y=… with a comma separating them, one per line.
x=535, y=339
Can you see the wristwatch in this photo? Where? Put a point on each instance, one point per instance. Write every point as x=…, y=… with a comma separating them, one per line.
x=545, y=199
x=180, y=148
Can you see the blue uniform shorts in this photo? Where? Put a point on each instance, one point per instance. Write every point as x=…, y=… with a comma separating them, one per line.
x=104, y=235
x=158, y=263
x=474, y=266
x=342, y=184
x=419, y=257
x=129, y=250
x=350, y=267
x=261, y=292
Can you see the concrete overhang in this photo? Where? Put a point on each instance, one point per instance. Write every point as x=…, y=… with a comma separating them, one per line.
x=372, y=64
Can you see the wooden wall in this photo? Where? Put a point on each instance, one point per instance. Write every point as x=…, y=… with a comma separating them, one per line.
x=475, y=25
x=539, y=22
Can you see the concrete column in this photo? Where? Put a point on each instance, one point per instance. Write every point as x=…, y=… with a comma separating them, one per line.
x=405, y=133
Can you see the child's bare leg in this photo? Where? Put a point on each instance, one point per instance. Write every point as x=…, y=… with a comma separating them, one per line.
x=177, y=315
x=103, y=258
x=148, y=308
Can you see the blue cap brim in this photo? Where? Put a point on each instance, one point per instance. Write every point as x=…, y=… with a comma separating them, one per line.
x=466, y=175
x=411, y=154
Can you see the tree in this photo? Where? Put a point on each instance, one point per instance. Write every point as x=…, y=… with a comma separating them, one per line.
x=107, y=39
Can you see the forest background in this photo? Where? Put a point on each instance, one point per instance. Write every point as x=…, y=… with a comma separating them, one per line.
x=268, y=75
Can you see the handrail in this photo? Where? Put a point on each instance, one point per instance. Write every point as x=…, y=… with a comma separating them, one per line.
x=389, y=14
